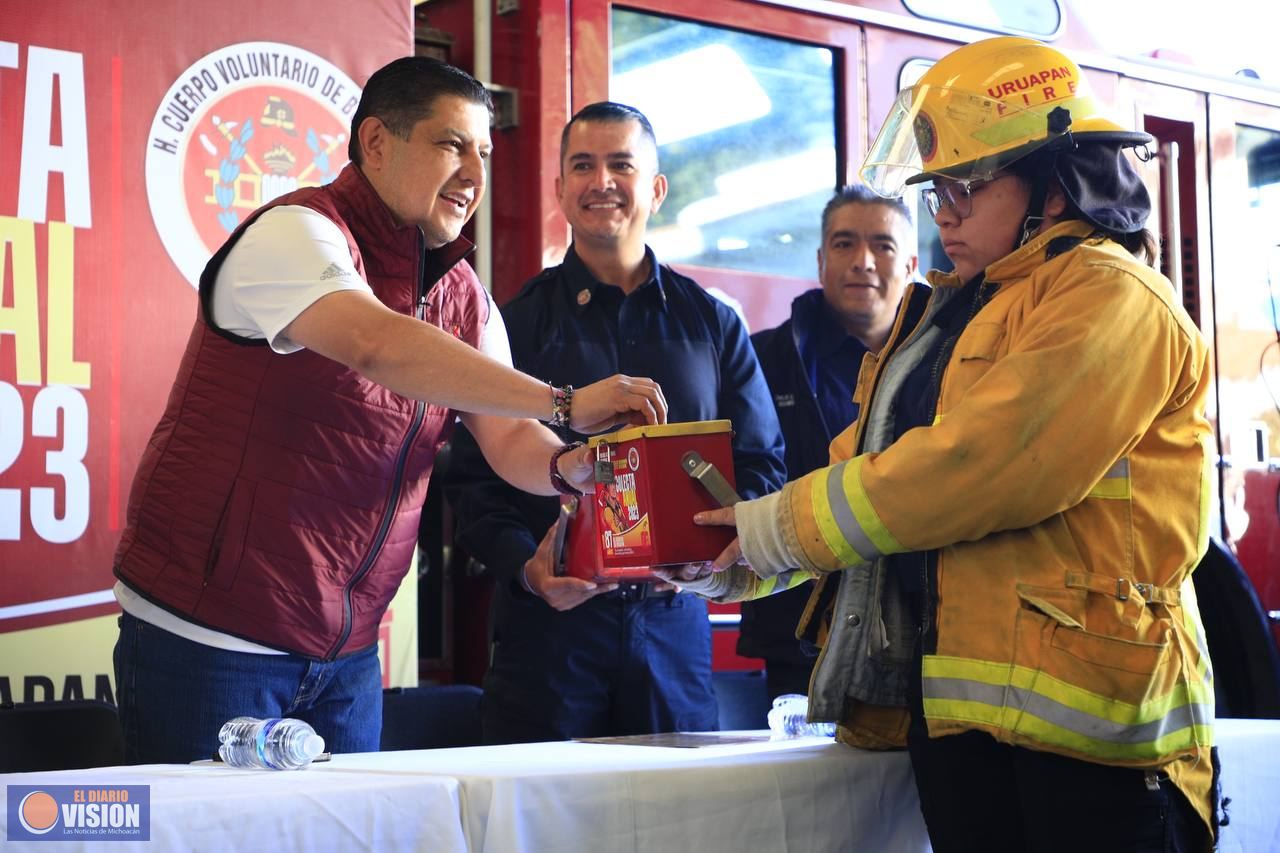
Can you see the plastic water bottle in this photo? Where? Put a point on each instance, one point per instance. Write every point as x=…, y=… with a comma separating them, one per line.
x=271, y=744
x=789, y=719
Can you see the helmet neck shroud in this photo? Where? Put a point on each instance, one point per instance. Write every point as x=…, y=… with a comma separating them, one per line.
x=1097, y=180
x=1045, y=162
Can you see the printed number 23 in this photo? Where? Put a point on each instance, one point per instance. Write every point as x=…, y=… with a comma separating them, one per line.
x=66, y=462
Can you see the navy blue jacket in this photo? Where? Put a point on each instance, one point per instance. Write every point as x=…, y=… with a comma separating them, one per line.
x=768, y=625
x=567, y=328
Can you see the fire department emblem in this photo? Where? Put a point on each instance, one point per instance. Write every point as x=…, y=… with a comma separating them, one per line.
x=241, y=126
x=926, y=136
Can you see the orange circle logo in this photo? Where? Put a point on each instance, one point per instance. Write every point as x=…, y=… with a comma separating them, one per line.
x=38, y=812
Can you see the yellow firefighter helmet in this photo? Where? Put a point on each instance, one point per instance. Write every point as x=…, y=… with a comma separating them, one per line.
x=980, y=108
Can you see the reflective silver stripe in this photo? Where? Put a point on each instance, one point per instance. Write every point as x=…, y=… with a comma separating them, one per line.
x=842, y=513
x=1191, y=620
x=1203, y=648
x=1118, y=471
x=1064, y=716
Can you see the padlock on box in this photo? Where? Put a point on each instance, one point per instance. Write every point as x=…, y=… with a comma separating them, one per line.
x=641, y=515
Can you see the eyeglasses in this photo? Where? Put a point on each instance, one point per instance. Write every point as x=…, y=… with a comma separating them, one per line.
x=957, y=195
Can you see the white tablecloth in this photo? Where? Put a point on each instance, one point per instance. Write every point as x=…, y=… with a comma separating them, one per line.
x=328, y=806
x=801, y=796
x=1250, y=755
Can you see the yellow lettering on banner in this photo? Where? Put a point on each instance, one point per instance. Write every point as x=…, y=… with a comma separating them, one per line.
x=63, y=368
x=22, y=320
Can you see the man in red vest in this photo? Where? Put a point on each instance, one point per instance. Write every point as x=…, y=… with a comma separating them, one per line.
x=275, y=508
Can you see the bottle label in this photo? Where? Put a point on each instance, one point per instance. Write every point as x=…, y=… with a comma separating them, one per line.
x=261, y=742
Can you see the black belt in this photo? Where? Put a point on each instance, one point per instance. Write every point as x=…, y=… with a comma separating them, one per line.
x=637, y=592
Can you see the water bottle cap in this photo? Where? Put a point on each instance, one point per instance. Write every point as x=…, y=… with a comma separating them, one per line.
x=313, y=746
x=790, y=701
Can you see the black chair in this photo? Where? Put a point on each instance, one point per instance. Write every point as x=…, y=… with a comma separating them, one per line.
x=1246, y=662
x=743, y=697
x=70, y=735
x=431, y=717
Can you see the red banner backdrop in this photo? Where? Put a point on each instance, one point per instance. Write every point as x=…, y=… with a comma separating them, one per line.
x=133, y=138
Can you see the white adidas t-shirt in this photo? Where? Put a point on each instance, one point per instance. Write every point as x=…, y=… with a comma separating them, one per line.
x=282, y=265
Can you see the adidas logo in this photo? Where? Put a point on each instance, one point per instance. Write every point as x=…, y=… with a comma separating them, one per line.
x=334, y=271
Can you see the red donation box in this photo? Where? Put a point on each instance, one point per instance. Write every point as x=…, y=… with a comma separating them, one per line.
x=641, y=514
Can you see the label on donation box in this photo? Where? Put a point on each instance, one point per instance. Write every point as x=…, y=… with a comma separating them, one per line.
x=641, y=514
x=622, y=511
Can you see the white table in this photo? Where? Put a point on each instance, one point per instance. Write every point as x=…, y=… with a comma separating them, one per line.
x=1250, y=755
x=801, y=795
x=217, y=808
x=797, y=795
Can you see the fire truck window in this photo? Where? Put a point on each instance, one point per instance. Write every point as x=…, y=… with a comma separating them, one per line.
x=746, y=129
x=1040, y=18
x=1248, y=301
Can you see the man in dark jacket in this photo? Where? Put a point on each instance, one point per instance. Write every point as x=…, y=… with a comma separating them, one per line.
x=573, y=658
x=811, y=362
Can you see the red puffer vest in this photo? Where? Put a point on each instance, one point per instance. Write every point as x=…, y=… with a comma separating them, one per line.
x=279, y=496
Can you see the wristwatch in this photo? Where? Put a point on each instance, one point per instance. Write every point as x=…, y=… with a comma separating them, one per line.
x=558, y=482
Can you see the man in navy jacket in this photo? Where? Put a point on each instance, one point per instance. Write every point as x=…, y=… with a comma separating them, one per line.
x=573, y=658
x=811, y=362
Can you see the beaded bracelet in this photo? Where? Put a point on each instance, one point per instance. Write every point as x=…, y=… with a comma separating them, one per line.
x=558, y=482
x=561, y=404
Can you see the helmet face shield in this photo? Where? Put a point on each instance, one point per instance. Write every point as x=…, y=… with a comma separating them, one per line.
x=894, y=157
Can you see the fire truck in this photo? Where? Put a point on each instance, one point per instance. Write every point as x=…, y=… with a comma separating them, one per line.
x=763, y=108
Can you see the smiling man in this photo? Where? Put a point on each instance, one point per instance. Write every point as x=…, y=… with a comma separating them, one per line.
x=572, y=658
x=275, y=509
x=811, y=362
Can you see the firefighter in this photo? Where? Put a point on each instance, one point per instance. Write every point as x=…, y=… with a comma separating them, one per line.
x=1004, y=541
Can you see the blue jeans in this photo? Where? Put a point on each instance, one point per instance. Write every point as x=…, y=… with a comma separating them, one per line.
x=607, y=667
x=174, y=694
